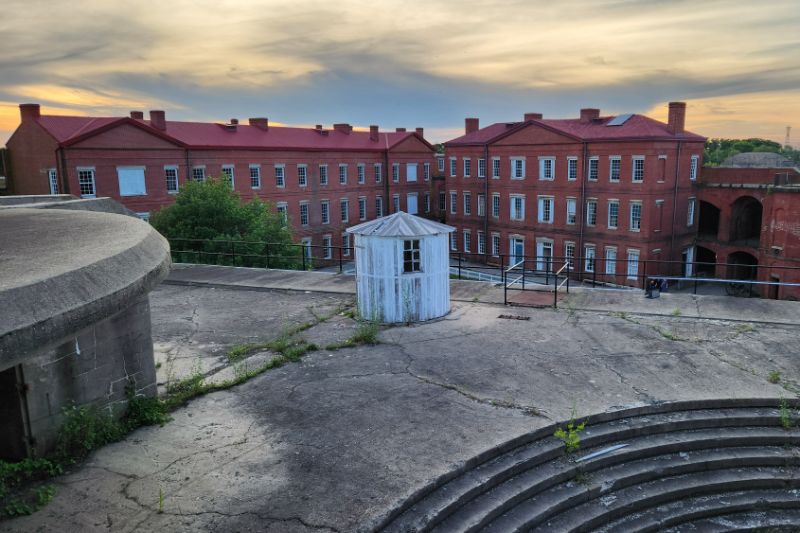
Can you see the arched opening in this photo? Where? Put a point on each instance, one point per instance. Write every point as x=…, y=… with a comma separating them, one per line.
x=746, y=221
x=742, y=265
x=708, y=223
x=706, y=260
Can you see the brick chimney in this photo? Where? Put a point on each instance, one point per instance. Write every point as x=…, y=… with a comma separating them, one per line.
x=373, y=133
x=234, y=121
x=318, y=127
x=470, y=125
x=677, y=117
x=420, y=132
x=158, y=120
x=589, y=114
x=343, y=127
x=400, y=130
x=261, y=123
x=29, y=112
x=532, y=116
x=137, y=115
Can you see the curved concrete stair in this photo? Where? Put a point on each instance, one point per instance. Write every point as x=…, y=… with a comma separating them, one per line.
x=773, y=521
x=528, y=481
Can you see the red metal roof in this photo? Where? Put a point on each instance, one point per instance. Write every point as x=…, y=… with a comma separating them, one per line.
x=66, y=129
x=637, y=127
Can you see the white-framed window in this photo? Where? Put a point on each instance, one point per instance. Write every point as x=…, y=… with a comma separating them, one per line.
x=131, y=181
x=395, y=203
x=572, y=211
x=52, y=180
x=283, y=209
x=378, y=171
x=378, y=206
x=591, y=212
x=690, y=212
x=344, y=209
x=467, y=240
x=342, y=173
x=594, y=165
x=517, y=168
x=613, y=214
x=227, y=175
x=495, y=244
x=633, y=264
x=545, y=214
x=327, y=248
x=481, y=205
x=199, y=173
x=144, y=216
x=302, y=175
x=362, y=173
x=588, y=258
x=427, y=197
x=547, y=168
x=171, y=178
x=495, y=204
x=452, y=167
x=440, y=163
x=611, y=260
x=280, y=176
x=467, y=167
x=442, y=201
x=614, y=168
x=362, y=208
x=517, y=202
x=395, y=172
x=304, y=213
x=693, y=168
x=411, y=203
x=495, y=167
x=426, y=171
x=346, y=244
x=453, y=202
x=467, y=203
x=411, y=172
x=325, y=211
x=323, y=174
x=572, y=168
x=453, y=240
x=481, y=243
x=569, y=253
x=636, y=216
x=481, y=167
x=638, y=169
x=255, y=176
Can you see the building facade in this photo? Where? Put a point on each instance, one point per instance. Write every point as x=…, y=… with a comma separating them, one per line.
x=324, y=180
x=606, y=194
x=749, y=226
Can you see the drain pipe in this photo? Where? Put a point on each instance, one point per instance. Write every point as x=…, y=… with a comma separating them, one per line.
x=388, y=204
x=486, y=203
x=584, y=170
x=675, y=204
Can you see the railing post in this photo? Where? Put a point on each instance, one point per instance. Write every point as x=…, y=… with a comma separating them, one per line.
x=233, y=253
x=266, y=250
x=303, y=254
x=340, y=260
x=594, y=272
x=459, y=265
x=502, y=268
x=568, y=278
x=644, y=275
x=523, y=273
x=695, y=279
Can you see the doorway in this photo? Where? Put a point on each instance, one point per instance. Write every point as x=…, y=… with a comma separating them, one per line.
x=13, y=415
x=517, y=250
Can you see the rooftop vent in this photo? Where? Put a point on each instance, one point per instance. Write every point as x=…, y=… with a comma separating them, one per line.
x=619, y=120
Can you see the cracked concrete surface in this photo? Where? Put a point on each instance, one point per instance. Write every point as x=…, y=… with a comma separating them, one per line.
x=334, y=442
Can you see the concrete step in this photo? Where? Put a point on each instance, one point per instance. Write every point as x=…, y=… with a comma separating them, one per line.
x=773, y=521
x=682, y=514
x=530, y=483
x=613, y=505
x=433, y=504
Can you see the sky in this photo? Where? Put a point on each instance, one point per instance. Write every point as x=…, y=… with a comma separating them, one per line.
x=406, y=63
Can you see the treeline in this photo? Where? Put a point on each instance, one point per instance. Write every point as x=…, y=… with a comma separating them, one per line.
x=717, y=150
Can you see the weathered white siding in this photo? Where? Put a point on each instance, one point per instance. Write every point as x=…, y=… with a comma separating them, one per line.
x=388, y=295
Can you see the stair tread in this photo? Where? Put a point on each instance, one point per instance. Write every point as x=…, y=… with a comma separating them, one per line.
x=775, y=521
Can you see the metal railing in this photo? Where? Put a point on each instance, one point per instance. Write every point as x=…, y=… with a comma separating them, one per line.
x=549, y=274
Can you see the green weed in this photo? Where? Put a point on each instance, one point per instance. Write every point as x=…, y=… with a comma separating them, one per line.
x=785, y=414
x=571, y=434
x=774, y=376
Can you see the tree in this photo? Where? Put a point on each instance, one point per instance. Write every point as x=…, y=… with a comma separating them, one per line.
x=717, y=150
x=208, y=223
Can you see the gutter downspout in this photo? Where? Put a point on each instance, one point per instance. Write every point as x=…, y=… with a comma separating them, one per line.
x=675, y=202
x=486, y=202
x=388, y=203
x=584, y=170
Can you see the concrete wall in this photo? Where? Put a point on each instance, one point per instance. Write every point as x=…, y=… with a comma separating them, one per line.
x=95, y=366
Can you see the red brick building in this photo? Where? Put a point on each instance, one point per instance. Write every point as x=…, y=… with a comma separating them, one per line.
x=749, y=226
x=324, y=179
x=610, y=192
